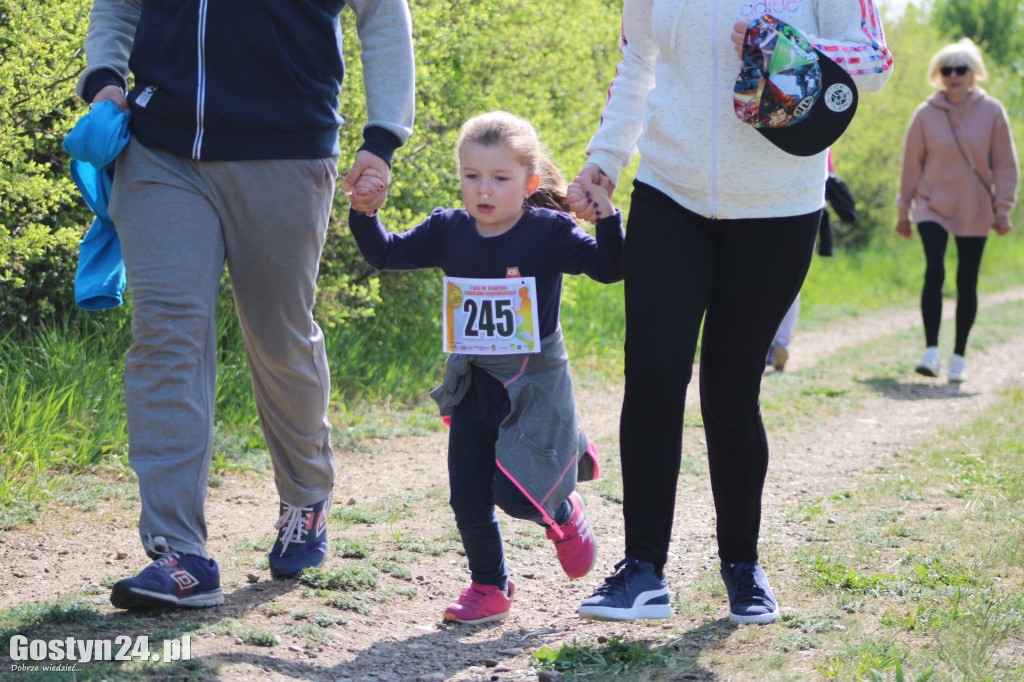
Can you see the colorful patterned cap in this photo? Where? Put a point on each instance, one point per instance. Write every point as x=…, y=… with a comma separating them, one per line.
x=795, y=96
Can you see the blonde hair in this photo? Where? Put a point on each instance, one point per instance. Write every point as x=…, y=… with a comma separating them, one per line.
x=500, y=127
x=961, y=53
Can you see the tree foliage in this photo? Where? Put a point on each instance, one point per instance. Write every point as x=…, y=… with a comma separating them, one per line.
x=527, y=56
x=41, y=216
x=995, y=25
x=869, y=155
x=472, y=56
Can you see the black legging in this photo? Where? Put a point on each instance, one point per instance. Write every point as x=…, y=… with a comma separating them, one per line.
x=969, y=251
x=740, y=276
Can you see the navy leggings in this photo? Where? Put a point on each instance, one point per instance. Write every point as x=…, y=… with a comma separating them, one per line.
x=969, y=251
x=739, y=277
x=477, y=485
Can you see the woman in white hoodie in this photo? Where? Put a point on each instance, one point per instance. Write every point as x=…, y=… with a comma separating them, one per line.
x=721, y=229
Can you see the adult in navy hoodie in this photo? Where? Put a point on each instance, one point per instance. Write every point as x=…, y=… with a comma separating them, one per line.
x=233, y=159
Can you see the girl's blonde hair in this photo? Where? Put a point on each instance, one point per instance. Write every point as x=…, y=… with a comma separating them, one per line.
x=961, y=53
x=501, y=127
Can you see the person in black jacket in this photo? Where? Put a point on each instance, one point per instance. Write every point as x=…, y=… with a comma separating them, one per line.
x=233, y=159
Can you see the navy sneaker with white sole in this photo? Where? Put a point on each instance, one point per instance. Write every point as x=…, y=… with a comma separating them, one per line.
x=750, y=597
x=301, y=539
x=174, y=580
x=634, y=592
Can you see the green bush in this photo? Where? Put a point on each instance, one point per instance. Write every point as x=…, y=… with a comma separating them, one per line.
x=870, y=153
x=41, y=216
x=524, y=56
x=471, y=57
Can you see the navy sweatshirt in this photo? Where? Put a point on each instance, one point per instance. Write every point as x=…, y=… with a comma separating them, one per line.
x=251, y=79
x=544, y=244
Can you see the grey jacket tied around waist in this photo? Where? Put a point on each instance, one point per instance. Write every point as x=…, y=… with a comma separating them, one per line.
x=541, y=444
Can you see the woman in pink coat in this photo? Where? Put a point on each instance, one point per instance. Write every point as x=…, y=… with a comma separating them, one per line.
x=959, y=177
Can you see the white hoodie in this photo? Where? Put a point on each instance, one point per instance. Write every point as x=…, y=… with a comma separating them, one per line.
x=672, y=100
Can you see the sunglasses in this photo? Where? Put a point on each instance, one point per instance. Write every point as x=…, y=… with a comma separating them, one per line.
x=948, y=71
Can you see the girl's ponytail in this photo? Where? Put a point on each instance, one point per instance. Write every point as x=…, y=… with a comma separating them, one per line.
x=550, y=192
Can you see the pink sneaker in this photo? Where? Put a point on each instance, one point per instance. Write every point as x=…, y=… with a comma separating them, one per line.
x=577, y=551
x=480, y=604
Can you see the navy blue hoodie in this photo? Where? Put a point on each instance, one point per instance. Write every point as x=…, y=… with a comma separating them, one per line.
x=250, y=79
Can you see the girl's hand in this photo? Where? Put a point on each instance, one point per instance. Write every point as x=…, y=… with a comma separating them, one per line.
x=581, y=200
x=371, y=181
x=365, y=194
x=903, y=228
x=1003, y=229
x=596, y=201
x=574, y=194
x=367, y=164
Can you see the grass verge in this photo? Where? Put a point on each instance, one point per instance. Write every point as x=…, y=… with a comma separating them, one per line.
x=916, y=574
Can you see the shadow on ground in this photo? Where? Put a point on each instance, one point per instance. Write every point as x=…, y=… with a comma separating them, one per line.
x=912, y=390
x=445, y=654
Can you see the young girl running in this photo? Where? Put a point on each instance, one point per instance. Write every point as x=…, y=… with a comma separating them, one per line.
x=516, y=440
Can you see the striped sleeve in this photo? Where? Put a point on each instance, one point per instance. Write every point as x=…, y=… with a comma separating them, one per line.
x=622, y=117
x=850, y=34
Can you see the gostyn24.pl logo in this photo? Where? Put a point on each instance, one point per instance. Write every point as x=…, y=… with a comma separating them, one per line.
x=65, y=654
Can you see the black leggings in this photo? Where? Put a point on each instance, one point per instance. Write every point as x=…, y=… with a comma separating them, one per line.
x=740, y=277
x=969, y=251
x=477, y=485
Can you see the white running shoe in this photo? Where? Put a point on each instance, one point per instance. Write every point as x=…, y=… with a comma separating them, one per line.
x=957, y=369
x=929, y=365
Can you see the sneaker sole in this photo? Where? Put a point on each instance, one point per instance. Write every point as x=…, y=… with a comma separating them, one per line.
x=486, y=619
x=136, y=599
x=924, y=370
x=760, y=618
x=278, y=574
x=656, y=612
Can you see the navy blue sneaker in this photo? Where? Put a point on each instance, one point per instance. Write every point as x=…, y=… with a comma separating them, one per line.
x=173, y=580
x=635, y=591
x=750, y=597
x=301, y=539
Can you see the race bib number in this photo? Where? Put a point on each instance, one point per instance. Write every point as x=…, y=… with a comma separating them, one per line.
x=490, y=316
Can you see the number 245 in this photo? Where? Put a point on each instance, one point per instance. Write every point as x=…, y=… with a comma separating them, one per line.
x=489, y=317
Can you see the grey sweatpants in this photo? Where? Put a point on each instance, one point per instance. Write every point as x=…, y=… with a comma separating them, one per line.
x=179, y=221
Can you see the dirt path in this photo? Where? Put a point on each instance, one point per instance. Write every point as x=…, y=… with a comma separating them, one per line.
x=402, y=637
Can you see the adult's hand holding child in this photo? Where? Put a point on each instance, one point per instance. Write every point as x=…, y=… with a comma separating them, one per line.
x=368, y=192
x=595, y=202
x=365, y=162
x=583, y=202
